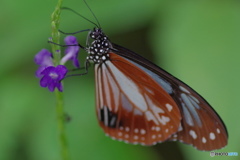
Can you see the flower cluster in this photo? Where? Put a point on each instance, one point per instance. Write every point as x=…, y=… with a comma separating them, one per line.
x=50, y=76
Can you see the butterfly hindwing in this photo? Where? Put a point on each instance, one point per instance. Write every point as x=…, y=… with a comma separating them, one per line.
x=201, y=126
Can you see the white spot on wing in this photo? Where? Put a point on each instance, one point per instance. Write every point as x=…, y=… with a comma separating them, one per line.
x=218, y=131
x=143, y=131
x=193, y=134
x=153, y=136
x=120, y=134
x=169, y=107
x=157, y=129
x=212, y=136
x=204, y=140
x=136, y=130
x=165, y=119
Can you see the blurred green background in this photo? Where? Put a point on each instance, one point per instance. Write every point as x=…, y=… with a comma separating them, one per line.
x=197, y=41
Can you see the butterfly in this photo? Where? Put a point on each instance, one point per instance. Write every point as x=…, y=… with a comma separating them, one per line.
x=140, y=103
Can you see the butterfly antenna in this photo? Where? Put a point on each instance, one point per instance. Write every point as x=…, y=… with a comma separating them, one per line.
x=66, y=8
x=99, y=26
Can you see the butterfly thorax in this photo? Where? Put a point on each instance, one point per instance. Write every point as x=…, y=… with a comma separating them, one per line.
x=99, y=48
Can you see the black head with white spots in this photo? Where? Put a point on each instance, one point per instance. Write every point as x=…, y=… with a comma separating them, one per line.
x=100, y=46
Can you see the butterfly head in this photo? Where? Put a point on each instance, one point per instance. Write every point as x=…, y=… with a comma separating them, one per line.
x=96, y=33
x=99, y=47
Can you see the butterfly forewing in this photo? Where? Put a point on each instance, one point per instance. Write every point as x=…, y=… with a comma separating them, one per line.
x=131, y=106
x=200, y=125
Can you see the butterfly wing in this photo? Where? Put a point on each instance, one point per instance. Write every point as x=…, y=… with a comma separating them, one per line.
x=131, y=106
x=200, y=124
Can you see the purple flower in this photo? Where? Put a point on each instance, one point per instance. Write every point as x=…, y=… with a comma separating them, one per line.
x=52, y=77
x=71, y=52
x=43, y=59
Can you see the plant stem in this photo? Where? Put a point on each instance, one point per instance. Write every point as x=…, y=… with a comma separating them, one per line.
x=55, y=20
x=55, y=34
x=61, y=125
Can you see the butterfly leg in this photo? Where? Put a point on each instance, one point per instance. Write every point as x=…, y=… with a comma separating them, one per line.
x=87, y=64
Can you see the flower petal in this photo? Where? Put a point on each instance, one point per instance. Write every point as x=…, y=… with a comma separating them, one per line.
x=71, y=40
x=76, y=63
x=39, y=71
x=60, y=87
x=43, y=58
x=47, y=70
x=61, y=70
x=71, y=52
x=44, y=82
x=52, y=86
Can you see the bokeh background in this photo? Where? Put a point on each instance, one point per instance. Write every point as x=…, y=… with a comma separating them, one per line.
x=197, y=41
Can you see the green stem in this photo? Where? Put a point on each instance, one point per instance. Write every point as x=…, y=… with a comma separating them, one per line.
x=59, y=95
x=61, y=125
x=55, y=34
